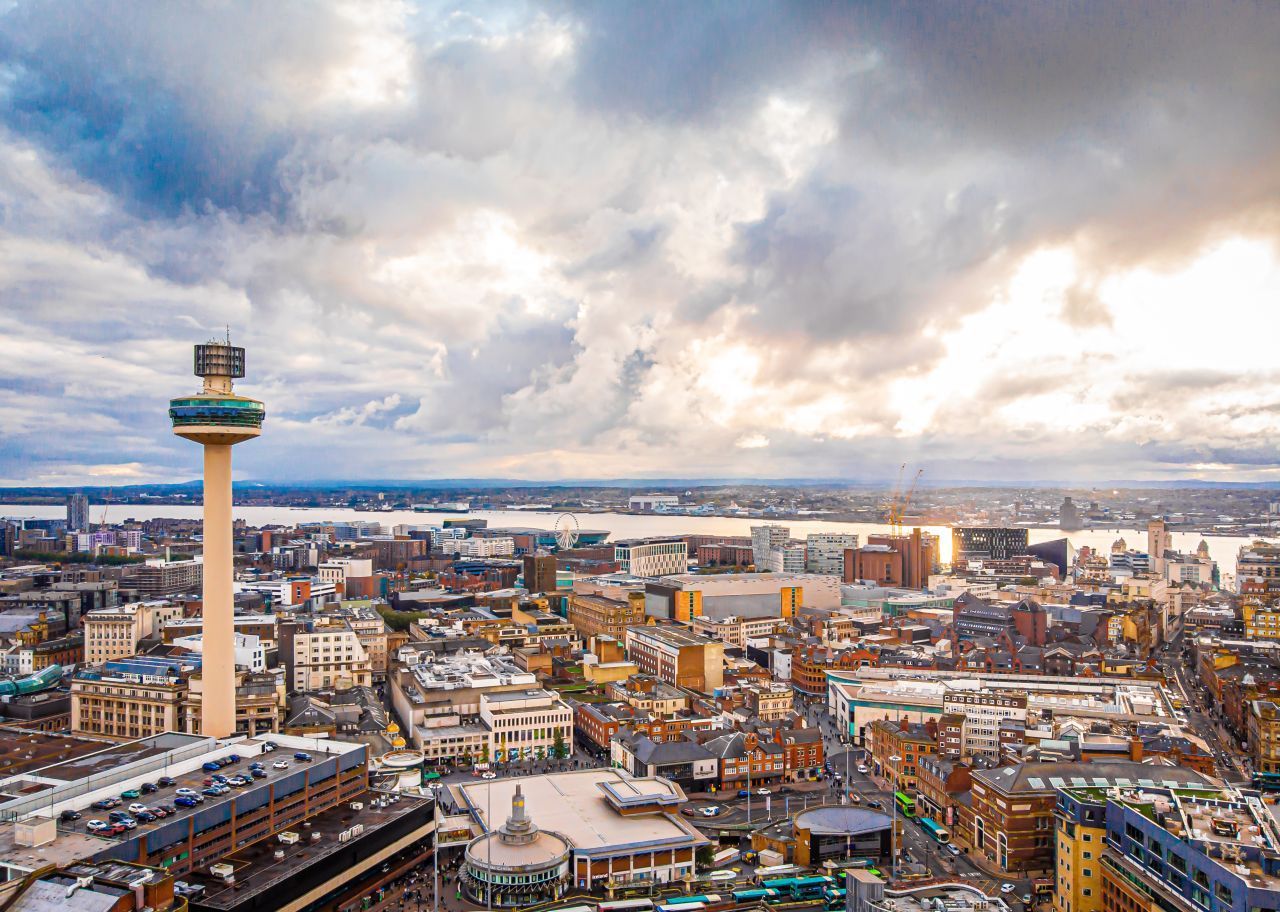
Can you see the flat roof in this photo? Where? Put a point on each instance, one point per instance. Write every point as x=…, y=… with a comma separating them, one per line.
x=109, y=757
x=257, y=868
x=574, y=805
x=24, y=750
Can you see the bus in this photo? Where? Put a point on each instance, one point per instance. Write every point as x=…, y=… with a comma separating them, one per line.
x=811, y=887
x=936, y=830
x=800, y=887
x=777, y=871
x=748, y=896
x=906, y=804
x=700, y=899
x=679, y=907
x=1267, y=782
x=833, y=897
x=626, y=905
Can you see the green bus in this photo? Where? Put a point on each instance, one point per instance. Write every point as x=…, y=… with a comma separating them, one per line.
x=906, y=804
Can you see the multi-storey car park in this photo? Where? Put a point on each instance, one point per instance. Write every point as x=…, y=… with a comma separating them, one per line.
x=297, y=832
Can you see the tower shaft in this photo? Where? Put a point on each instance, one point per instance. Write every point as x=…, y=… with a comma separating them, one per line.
x=217, y=667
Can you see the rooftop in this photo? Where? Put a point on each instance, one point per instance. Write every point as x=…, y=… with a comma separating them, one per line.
x=577, y=806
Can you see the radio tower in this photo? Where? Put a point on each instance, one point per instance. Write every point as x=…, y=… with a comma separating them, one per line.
x=217, y=419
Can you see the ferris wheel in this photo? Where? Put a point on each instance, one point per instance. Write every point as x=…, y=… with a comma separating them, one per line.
x=566, y=531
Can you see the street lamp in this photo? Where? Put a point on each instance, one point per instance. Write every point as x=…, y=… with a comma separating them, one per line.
x=893, y=830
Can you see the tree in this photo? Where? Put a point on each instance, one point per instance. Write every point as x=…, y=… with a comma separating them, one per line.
x=706, y=856
x=484, y=753
x=558, y=749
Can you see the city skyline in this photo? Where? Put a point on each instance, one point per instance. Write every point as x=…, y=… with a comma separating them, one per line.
x=561, y=241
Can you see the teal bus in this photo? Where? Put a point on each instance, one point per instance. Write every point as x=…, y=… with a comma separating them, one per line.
x=936, y=830
x=756, y=895
x=833, y=898
x=906, y=804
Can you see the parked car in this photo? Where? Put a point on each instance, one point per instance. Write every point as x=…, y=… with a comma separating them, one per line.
x=259, y=773
x=232, y=758
x=185, y=791
x=105, y=804
x=302, y=756
x=130, y=794
x=166, y=781
x=97, y=826
x=268, y=746
x=488, y=775
x=281, y=764
x=862, y=768
x=148, y=788
x=145, y=816
x=160, y=810
x=211, y=767
x=227, y=761
x=116, y=829
x=763, y=791
x=68, y=816
x=185, y=801
x=212, y=791
x=137, y=808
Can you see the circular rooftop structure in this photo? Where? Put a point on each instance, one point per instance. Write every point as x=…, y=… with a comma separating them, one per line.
x=517, y=864
x=842, y=821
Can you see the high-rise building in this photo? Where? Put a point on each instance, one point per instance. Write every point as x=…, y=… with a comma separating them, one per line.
x=824, y=552
x=1068, y=516
x=1158, y=542
x=764, y=541
x=78, y=513
x=540, y=573
x=987, y=543
x=652, y=556
x=217, y=419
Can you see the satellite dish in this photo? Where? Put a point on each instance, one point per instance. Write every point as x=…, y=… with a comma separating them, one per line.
x=566, y=531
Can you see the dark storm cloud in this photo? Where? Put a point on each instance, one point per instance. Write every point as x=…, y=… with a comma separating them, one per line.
x=592, y=229
x=156, y=101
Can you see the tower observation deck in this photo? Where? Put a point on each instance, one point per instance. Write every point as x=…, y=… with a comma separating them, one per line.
x=216, y=418
x=216, y=415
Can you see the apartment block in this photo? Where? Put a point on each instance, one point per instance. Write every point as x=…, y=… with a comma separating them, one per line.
x=677, y=656
x=594, y=615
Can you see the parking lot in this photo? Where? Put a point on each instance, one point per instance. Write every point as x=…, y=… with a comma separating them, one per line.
x=248, y=752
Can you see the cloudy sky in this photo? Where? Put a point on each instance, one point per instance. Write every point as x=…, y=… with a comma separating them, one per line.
x=608, y=239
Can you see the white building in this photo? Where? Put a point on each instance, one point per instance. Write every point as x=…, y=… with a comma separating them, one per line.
x=249, y=651
x=339, y=570
x=113, y=633
x=499, y=546
x=764, y=541
x=651, y=502
x=652, y=556
x=825, y=552
x=524, y=724
x=328, y=655
x=283, y=593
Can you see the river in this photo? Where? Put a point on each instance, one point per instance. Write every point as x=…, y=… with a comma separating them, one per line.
x=626, y=525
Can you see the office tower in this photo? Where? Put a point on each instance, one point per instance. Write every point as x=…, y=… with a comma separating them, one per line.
x=987, y=543
x=78, y=513
x=217, y=419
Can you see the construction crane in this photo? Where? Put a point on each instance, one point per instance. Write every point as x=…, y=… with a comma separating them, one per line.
x=906, y=501
x=890, y=506
x=106, y=503
x=899, y=503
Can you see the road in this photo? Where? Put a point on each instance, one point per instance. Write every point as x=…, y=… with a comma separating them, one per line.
x=1202, y=717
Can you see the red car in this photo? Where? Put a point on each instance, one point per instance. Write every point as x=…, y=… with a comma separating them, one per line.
x=116, y=829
